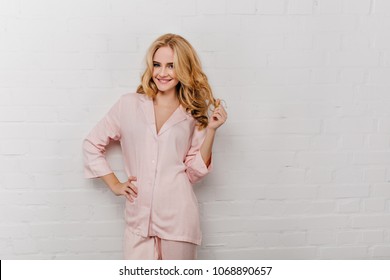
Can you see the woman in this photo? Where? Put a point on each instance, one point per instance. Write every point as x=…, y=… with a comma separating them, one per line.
x=166, y=138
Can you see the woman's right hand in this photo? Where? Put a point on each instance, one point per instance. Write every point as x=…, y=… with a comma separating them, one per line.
x=127, y=189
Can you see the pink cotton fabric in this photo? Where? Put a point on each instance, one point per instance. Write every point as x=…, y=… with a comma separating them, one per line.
x=154, y=248
x=166, y=165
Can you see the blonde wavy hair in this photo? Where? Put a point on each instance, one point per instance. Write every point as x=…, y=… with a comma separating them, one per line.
x=193, y=90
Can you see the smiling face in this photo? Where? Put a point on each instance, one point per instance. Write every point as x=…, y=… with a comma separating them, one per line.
x=164, y=75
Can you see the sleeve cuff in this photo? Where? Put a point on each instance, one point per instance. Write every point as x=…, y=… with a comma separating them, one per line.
x=97, y=170
x=200, y=166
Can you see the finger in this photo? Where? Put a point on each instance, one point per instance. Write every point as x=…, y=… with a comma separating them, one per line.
x=217, y=110
x=131, y=194
x=217, y=116
x=217, y=103
x=132, y=178
x=219, y=119
x=128, y=197
x=132, y=191
x=222, y=109
x=134, y=188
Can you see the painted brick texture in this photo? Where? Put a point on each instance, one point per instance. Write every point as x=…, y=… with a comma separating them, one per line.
x=302, y=167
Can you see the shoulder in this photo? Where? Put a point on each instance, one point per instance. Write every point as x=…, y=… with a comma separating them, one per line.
x=126, y=103
x=131, y=99
x=134, y=97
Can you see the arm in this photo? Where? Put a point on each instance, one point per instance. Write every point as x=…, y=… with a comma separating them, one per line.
x=199, y=159
x=94, y=147
x=126, y=189
x=217, y=119
x=207, y=146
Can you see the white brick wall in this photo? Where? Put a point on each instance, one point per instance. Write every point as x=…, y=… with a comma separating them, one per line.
x=302, y=167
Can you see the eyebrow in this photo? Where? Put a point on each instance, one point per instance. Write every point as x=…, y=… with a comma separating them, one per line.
x=160, y=62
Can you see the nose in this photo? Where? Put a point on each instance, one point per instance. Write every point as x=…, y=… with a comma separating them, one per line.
x=163, y=71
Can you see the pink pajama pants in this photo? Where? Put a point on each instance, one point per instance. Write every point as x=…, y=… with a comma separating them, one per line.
x=137, y=247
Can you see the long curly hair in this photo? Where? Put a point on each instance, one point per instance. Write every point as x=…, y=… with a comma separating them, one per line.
x=193, y=90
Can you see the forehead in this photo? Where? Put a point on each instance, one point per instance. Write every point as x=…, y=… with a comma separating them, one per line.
x=163, y=54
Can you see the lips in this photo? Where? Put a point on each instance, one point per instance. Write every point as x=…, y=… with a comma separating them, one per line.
x=164, y=81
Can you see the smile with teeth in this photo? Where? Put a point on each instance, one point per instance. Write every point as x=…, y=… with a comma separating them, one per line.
x=164, y=81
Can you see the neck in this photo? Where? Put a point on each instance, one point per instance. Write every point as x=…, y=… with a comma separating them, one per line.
x=166, y=99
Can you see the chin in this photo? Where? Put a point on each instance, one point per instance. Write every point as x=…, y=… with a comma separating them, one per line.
x=162, y=90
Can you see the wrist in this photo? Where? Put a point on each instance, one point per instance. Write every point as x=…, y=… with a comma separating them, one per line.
x=211, y=130
x=114, y=187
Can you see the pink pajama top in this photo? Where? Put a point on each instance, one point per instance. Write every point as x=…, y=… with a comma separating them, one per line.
x=166, y=165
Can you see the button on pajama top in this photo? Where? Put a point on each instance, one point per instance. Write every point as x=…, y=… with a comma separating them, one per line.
x=166, y=165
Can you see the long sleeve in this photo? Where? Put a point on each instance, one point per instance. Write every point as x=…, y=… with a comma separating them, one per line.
x=196, y=167
x=94, y=145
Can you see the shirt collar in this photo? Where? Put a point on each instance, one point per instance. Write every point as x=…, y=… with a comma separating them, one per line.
x=177, y=116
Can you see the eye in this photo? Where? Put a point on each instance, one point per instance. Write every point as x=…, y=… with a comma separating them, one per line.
x=156, y=64
x=170, y=66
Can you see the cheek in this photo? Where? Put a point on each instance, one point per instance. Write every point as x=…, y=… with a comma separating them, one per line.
x=175, y=80
x=172, y=73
